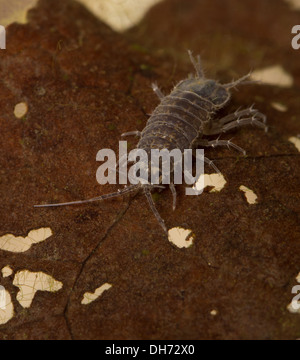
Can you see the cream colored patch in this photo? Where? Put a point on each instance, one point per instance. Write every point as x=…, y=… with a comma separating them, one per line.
x=279, y=107
x=217, y=181
x=251, y=197
x=6, y=271
x=273, y=75
x=298, y=278
x=214, y=312
x=15, y=11
x=6, y=306
x=182, y=238
x=296, y=141
x=19, y=244
x=20, y=110
x=119, y=15
x=89, y=297
x=294, y=4
x=30, y=282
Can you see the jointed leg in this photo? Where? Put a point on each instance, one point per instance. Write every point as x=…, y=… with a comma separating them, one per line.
x=246, y=121
x=210, y=163
x=238, y=118
x=202, y=142
x=217, y=142
x=238, y=114
x=154, y=210
x=135, y=132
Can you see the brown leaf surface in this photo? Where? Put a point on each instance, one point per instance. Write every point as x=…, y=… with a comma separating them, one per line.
x=84, y=85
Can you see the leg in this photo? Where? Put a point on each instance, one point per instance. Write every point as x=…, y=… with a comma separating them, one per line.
x=210, y=163
x=153, y=208
x=246, y=121
x=236, y=119
x=173, y=190
x=157, y=91
x=242, y=113
x=202, y=142
x=218, y=142
x=136, y=132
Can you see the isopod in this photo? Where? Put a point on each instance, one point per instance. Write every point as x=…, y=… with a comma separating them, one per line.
x=182, y=120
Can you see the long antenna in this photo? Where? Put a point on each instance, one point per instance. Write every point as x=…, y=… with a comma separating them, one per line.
x=102, y=197
x=197, y=64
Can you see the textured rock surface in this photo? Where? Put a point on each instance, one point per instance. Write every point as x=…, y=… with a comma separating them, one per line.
x=84, y=85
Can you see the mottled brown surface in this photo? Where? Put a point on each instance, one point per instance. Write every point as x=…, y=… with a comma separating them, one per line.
x=85, y=85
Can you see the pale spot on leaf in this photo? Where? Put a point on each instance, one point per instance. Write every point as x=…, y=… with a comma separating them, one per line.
x=6, y=271
x=119, y=15
x=20, y=110
x=294, y=4
x=217, y=181
x=89, y=297
x=273, y=75
x=296, y=141
x=18, y=244
x=279, y=107
x=251, y=197
x=182, y=238
x=15, y=11
x=30, y=282
x=6, y=306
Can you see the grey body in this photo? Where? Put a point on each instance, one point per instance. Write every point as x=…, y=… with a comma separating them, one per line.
x=182, y=120
x=184, y=116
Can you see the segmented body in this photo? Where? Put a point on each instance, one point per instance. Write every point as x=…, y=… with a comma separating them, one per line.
x=182, y=120
x=184, y=115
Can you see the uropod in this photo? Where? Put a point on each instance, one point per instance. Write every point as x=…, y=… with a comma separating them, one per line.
x=182, y=120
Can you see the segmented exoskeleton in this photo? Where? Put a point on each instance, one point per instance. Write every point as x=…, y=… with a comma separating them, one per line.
x=181, y=121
